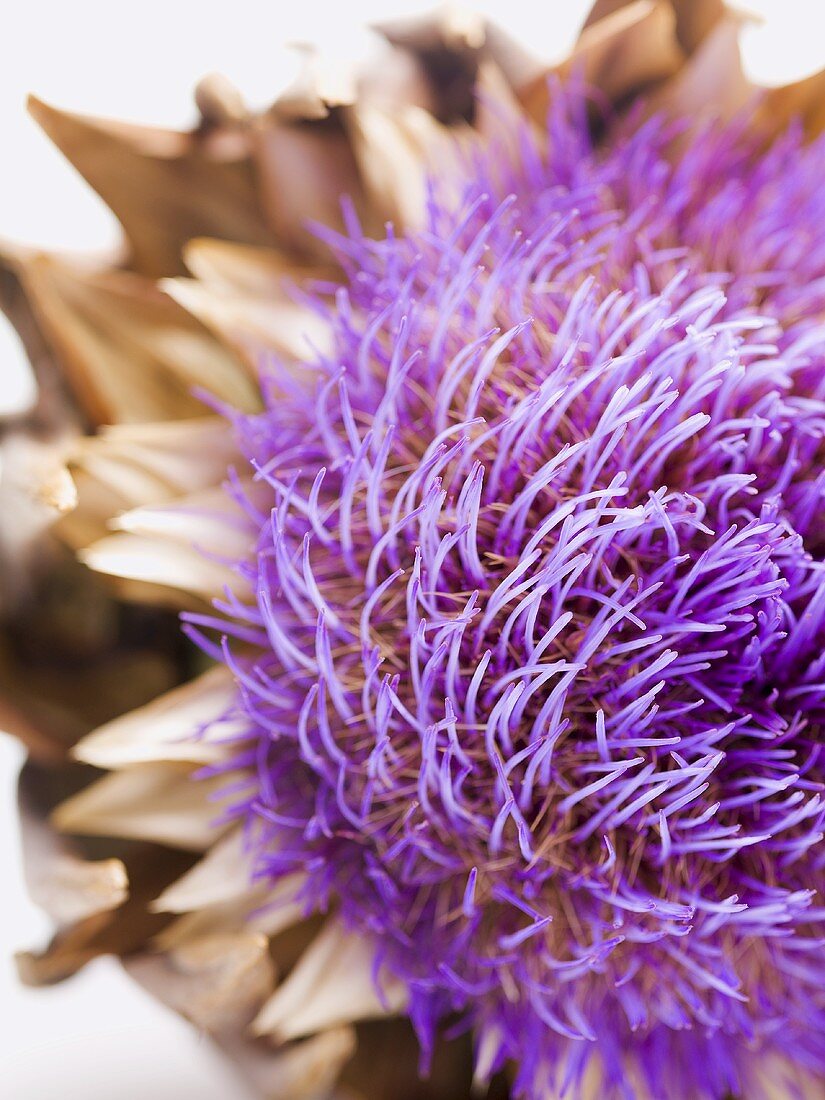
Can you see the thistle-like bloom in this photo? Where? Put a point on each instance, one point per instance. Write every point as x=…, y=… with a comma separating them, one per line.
x=517, y=582
x=532, y=679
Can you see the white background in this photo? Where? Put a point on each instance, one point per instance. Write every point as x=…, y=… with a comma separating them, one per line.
x=98, y=1037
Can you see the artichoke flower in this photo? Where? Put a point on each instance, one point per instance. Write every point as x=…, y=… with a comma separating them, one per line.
x=437, y=707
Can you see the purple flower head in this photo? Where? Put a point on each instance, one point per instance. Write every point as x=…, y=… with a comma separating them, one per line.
x=537, y=686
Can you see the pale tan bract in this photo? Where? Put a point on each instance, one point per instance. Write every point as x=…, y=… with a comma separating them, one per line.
x=121, y=464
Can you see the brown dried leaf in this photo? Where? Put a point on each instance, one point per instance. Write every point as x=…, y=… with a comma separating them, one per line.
x=232, y=268
x=129, y=352
x=445, y=47
x=628, y=50
x=55, y=413
x=711, y=84
x=36, y=489
x=69, y=889
x=252, y=325
x=163, y=186
x=185, y=724
x=71, y=658
x=159, y=802
x=116, y=932
x=121, y=922
x=333, y=983
x=304, y=169
x=301, y=1071
x=159, y=568
x=128, y=465
x=320, y=86
x=395, y=149
x=217, y=982
x=223, y=875
x=209, y=518
x=262, y=907
x=804, y=100
x=696, y=19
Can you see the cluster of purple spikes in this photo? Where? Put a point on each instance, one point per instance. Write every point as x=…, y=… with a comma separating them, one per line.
x=534, y=668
